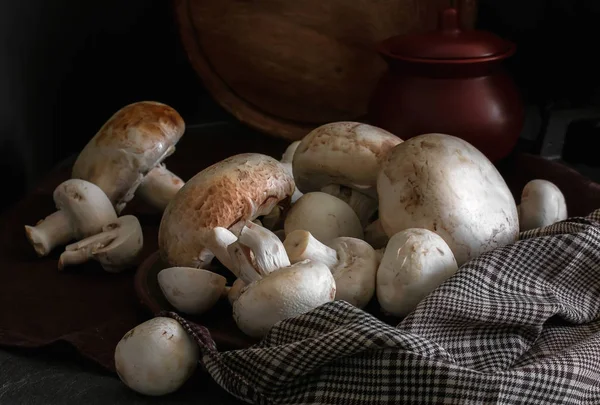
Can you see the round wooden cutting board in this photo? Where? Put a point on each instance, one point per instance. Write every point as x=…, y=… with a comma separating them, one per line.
x=284, y=67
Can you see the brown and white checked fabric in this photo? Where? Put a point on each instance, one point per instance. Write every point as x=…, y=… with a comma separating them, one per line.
x=518, y=325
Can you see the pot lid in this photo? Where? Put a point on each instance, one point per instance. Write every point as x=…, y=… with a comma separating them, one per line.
x=448, y=42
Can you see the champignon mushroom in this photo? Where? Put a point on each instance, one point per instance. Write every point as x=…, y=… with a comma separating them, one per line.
x=82, y=210
x=442, y=183
x=190, y=290
x=542, y=204
x=271, y=289
x=326, y=217
x=352, y=262
x=117, y=247
x=239, y=188
x=159, y=187
x=416, y=262
x=156, y=357
x=343, y=159
x=133, y=142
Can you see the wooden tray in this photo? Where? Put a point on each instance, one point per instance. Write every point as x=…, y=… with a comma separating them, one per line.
x=284, y=67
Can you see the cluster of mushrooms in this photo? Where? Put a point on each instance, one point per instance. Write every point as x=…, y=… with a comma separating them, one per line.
x=350, y=212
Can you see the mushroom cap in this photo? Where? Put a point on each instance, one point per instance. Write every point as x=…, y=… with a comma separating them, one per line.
x=133, y=141
x=356, y=271
x=284, y=293
x=542, y=204
x=239, y=188
x=326, y=217
x=345, y=153
x=442, y=183
x=156, y=357
x=87, y=206
x=190, y=290
x=416, y=262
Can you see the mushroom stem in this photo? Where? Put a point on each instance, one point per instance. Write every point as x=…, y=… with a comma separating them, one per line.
x=301, y=245
x=52, y=231
x=364, y=206
x=217, y=242
x=83, y=251
x=159, y=187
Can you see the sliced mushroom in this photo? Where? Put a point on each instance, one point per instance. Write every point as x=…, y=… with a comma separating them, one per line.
x=416, y=262
x=353, y=263
x=133, y=142
x=443, y=183
x=542, y=204
x=343, y=158
x=326, y=217
x=159, y=187
x=156, y=357
x=117, y=247
x=271, y=289
x=242, y=187
x=190, y=290
x=82, y=210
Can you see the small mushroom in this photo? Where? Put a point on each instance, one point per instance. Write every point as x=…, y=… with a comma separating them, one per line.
x=326, y=217
x=415, y=262
x=190, y=290
x=343, y=158
x=239, y=188
x=117, y=247
x=133, y=142
x=353, y=263
x=156, y=357
x=271, y=289
x=159, y=187
x=542, y=204
x=82, y=210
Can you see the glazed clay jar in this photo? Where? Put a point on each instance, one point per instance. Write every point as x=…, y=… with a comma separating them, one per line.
x=449, y=81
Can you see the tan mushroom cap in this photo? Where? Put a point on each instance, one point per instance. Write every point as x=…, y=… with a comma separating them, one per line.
x=344, y=153
x=239, y=188
x=131, y=143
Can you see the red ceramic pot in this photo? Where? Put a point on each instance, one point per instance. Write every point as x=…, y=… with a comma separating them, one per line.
x=449, y=81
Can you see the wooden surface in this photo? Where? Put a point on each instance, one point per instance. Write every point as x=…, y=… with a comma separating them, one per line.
x=284, y=67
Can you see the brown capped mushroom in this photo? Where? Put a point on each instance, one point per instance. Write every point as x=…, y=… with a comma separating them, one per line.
x=83, y=210
x=133, y=142
x=232, y=191
x=343, y=159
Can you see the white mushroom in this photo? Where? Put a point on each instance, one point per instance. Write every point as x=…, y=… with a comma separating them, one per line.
x=239, y=188
x=353, y=263
x=444, y=184
x=234, y=292
x=271, y=289
x=190, y=290
x=159, y=187
x=542, y=204
x=287, y=159
x=326, y=217
x=375, y=235
x=133, y=142
x=416, y=262
x=343, y=158
x=82, y=210
x=117, y=247
x=156, y=357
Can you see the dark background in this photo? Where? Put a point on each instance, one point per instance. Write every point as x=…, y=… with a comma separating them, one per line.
x=67, y=65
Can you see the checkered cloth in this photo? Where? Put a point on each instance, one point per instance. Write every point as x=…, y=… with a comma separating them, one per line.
x=518, y=325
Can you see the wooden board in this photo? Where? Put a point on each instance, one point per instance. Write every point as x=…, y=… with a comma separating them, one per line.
x=284, y=67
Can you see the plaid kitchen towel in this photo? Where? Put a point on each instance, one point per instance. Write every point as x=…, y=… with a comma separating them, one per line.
x=518, y=325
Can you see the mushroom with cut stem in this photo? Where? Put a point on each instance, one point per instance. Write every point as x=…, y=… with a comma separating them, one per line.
x=343, y=159
x=272, y=289
x=156, y=357
x=353, y=263
x=129, y=146
x=117, y=247
x=542, y=204
x=83, y=209
x=238, y=189
x=326, y=217
x=415, y=262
